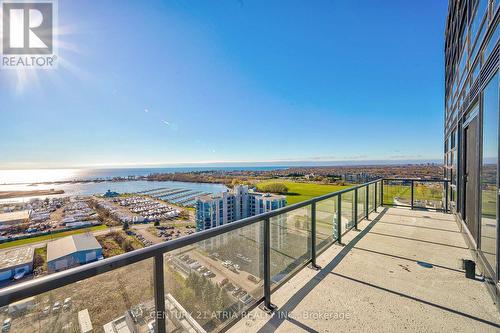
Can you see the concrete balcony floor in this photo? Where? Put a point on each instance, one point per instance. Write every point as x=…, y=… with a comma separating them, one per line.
x=377, y=282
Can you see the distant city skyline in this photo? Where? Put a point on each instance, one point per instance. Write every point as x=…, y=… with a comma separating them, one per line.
x=250, y=83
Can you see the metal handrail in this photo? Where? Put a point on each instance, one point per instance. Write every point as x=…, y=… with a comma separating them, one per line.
x=446, y=184
x=60, y=279
x=38, y=286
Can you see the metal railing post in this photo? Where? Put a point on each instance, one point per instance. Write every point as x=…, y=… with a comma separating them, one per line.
x=412, y=203
x=446, y=189
x=375, y=197
x=159, y=291
x=339, y=218
x=268, y=306
x=355, y=209
x=367, y=198
x=313, y=237
x=382, y=193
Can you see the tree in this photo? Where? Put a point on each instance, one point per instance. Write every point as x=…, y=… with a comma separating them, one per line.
x=184, y=215
x=235, y=182
x=157, y=223
x=125, y=225
x=278, y=188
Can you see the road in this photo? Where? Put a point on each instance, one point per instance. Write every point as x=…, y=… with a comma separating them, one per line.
x=43, y=243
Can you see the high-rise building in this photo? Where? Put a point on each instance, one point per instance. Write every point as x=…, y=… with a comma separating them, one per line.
x=218, y=209
x=472, y=127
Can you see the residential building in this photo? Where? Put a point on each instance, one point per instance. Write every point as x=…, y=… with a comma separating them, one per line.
x=17, y=261
x=218, y=209
x=471, y=126
x=72, y=251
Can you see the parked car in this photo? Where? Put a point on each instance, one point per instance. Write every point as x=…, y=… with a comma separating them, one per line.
x=56, y=307
x=6, y=325
x=67, y=304
x=252, y=278
x=223, y=282
x=46, y=311
x=247, y=299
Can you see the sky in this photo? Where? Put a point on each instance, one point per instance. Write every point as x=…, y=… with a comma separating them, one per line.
x=168, y=82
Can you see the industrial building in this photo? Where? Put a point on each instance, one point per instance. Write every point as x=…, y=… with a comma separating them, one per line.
x=16, y=262
x=14, y=218
x=72, y=251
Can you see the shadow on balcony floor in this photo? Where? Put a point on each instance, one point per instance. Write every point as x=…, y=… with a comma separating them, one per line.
x=402, y=271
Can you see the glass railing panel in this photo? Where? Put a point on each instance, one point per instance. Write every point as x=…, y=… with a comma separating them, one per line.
x=290, y=235
x=122, y=298
x=371, y=197
x=429, y=195
x=326, y=228
x=211, y=282
x=397, y=193
x=361, y=202
x=380, y=192
x=347, y=210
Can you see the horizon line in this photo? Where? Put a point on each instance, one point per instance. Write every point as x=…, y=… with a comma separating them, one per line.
x=275, y=163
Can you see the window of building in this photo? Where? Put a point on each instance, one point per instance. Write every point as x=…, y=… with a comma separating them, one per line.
x=463, y=63
x=475, y=72
x=463, y=38
x=491, y=43
x=489, y=172
x=482, y=6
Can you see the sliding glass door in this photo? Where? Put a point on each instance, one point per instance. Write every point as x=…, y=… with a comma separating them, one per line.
x=489, y=173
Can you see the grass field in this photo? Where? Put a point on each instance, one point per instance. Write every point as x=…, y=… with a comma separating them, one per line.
x=298, y=192
x=50, y=236
x=429, y=192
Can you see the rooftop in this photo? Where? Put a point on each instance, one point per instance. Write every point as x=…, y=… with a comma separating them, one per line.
x=14, y=216
x=402, y=271
x=71, y=244
x=16, y=257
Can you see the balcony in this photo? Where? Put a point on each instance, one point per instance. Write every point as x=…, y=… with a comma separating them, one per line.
x=400, y=272
x=370, y=267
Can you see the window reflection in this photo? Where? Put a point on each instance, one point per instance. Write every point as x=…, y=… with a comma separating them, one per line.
x=489, y=172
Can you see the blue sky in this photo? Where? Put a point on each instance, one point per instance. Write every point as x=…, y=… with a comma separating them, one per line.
x=168, y=82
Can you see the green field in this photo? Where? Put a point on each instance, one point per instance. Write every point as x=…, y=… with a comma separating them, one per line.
x=429, y=192
x=50, y=236
x=298, y=192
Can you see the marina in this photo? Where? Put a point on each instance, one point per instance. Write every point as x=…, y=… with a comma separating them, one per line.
x=178, y=196
x=158, y=189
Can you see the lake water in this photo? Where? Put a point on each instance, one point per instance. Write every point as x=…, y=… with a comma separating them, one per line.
x=72, y=189
x=29, y=180
x=55, y=175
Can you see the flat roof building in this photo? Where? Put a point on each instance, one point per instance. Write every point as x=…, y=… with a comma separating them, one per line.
x=218, y=209
x=16, y=261
x=14, y=218
x=72, y=251
x=84, y=321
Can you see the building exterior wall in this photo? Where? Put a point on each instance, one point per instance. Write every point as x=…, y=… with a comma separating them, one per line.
x=72, y=260
x=472, y=127
x=9, y=273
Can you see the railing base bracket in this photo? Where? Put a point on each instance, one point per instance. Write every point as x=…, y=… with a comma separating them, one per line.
x=314, y=267
x=269, y=309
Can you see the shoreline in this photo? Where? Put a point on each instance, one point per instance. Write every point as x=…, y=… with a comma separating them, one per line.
x=22, y=194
